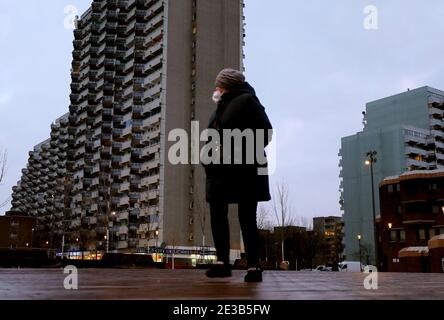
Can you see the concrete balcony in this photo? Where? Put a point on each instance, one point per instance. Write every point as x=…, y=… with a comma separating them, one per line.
x=122, y=159
x=78, y=175
x=121, y=201
x=153, y=194
x=122, y=244
x=145, y=182
x=145, y=54
x=122, y=132
x=122, y=146
x=122, y=230
x=152, y=11
x=150, y=93
x=143, y=228
x=150, y=150
x=122, y=216
x=94, y=144
x=154, y=77
x=439, y=145
x=92, y=220
x=143, y=243
x=437, y=133
x=122, y=119
x=436, y=123
x=150, y=195
x=75, y=223
x=121, y=173
x=121, y=187
x=157, y=20
x=416, y=163
x=435, y=111
x=153, y=210
x=415, y=151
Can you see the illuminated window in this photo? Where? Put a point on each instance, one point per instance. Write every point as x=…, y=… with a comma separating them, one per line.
x=390, y=188
x=402, y=235
x=419, y=158
x=421, y=234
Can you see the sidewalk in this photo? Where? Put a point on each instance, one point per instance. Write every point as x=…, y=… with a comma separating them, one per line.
x=193, y=285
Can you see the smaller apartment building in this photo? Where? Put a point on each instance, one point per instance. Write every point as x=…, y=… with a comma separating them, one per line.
x=411, y=224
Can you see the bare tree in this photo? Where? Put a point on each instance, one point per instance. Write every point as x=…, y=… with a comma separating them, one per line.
x=3, y=161
x=263, y=219
x=282, y=211
x=201, y=210
x=3, y=158
x=305, y=222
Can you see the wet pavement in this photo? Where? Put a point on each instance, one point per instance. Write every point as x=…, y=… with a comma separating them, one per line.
x=159, y=284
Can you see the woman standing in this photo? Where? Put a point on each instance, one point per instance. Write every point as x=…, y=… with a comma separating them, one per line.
x=231, y=182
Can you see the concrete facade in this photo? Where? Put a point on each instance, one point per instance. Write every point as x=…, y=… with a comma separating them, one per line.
x=141, y=68
x=406, y=131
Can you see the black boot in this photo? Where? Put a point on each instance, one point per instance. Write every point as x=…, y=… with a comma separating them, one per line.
x=219, y=270
x=253, y=275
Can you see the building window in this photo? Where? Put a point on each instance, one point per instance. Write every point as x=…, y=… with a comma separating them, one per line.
x=433, y=186
x=398, y=187
x=421, y=234
x=435, y=209
x=400, y=209
x=390, y=188
x=401, y=235
x=393, y=236
x=432, y=232
x=441, y=230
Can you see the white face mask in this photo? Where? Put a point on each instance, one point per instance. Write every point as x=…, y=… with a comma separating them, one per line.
x=217, y=96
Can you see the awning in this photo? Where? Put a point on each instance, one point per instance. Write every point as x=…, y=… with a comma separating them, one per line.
x=413, y=252
x=436, y=242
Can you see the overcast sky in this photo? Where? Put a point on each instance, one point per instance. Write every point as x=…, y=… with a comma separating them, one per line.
x=313, y=64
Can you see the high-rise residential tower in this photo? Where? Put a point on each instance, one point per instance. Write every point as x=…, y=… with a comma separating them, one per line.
x=140, y=69
x=41, y=192
x=407, y=132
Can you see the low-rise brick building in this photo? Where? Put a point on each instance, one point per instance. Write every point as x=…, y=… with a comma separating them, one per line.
x=412, y=215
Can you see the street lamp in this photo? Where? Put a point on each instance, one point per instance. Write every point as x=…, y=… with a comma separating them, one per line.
x=359, y=244
x=32, y=238
x=370, y=161
x=157, y=235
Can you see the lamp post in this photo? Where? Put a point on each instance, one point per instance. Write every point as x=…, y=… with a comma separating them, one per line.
x=371, y=160
x=359, y=244
x=157, y=236
x=32, y=238
x=156, y=233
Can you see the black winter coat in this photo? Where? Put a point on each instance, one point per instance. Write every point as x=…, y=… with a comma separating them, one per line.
x=233, y=183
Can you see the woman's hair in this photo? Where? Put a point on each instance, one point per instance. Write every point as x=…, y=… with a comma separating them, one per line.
x=229, y=79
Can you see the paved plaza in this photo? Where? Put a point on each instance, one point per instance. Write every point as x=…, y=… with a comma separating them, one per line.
x=104, y=284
